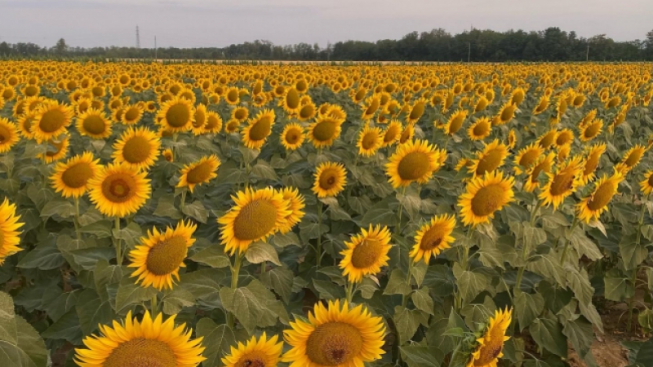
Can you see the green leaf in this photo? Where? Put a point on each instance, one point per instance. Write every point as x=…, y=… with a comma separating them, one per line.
x=617, y=286
x=259, y=252
x=407, y=321
x=197, y=211
x=212, y=256
x=379, y=215
x=20, y=344
x=645, y=354
x=130, y=294
x=328, y=290
x=631, y=252
x=547, y=333
x=131, y=234
x=422, y=300
x=262, y=169
x=280, y=280
x=253, y=305
x=177, y=299
x=397, y=284
x=580, y=334
x=166, y=207
x=67, y=328
x=45, y=256
x=583, y=245
x=62, y=208
x=470, y=283
x=367, y=287
x=421, y=356
x=285, y=240
x=218, y=339
x=527, y=307
x=548, y=266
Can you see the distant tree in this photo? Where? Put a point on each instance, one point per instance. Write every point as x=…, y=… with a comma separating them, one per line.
x=60, y=47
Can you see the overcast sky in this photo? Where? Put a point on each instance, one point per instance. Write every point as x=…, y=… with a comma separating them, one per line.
x=219, y=23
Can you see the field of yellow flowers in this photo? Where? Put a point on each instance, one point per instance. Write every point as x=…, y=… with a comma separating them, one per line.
x=243, y=215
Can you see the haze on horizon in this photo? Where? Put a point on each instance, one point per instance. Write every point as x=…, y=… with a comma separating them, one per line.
x=219, y=23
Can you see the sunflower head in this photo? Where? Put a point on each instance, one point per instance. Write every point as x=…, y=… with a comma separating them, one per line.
x=292, y=136
x=366, y=253
x=455, y=122
x=330, y=179
x=72, y=178
x=490, y=344
x=9, y=230
x=491, y=158
x=591, y=207
x=433, y=237
x=480, y=129
x=631, y=158
x=199, y=172
x=527, y=157
x=177, y=114
x=542, y=165
x=369, y=141
x=484, y=196
x=119, y=190
x=296, y=205
x=562, y=183
x=591, y=130
x=258, y=129
x=263, y=352
x=8, y=135
x=413, y=161
x=324, y=131
x=137, y=148
x=52, y=120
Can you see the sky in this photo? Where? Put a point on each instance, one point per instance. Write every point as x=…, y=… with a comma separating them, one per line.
x=219, y=23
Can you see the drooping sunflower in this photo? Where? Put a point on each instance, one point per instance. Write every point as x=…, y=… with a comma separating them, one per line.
x=52, y=119
x=256, y=215
x=324, y=131
x=137, y=147
x=591, y=207
x=480, y=129
x=258, y=129
x=263, y=352
x=490, y=345
x=292, y=136
x=9, y=230
x=176, y=115
x=160, y=255
x=330, y=179
x=72, y=178
x=527, y=157
x=646, y=185
x=491, y=158
x=543, y=164
x=335, y=335
x=591, y=130
x=484, y=196
x=119, y=190
x=8, y=135
x=433, y=237
x=366, y=253
x=413, y=161
x=631, y=158
x=199, y=172
x=392, y=133
x=150, y=342
x=592, y=162
x=295, y=206
x=455, y=122
x=562, y=183
x=94, y=124
x=370, y=140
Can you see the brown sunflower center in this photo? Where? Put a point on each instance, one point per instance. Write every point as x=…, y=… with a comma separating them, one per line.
x=232, y=96
x=507, y=113
x=306, y=111
x=547, y=140
x=292, y=136
x=414, y=166
x=131, y=114
x=94, y=124
x=480, y=129
x=529, y=158
x=390, y=135
x=455, y=124
x=328, y=178
x=602, y=195
x=165, y=256
x=137, y=149
x=334, y=344
x=5, y=134
x=324, y=130
x=369, y=140
x=292, y=99
x=178, y=115
x=488, y=200
x=77, y=175
x=261, y=129
x=562, y=182
x=488, y=354
x=255, y=220
x=366, y=253
x=200, y=173
x=118, y=188
x=52, y=120
x=633, y=158
x=200, y=118
x=592, y=130
x=240, y=114
x=417, y=111
x=142, y=352
x=432, y=238
x=252, y=359
x=490, y=161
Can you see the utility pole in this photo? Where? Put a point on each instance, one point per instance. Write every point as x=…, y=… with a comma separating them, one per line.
x=155, y=50
x=138, y=39
x=469, y=51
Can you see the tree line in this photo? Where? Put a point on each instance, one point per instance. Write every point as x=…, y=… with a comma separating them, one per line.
x=551, y=44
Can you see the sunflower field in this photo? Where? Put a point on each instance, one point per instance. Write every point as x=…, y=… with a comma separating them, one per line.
x=260, y=215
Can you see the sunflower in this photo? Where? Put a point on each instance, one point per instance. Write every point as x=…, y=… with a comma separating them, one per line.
x=131, y=115
x=262, y=353
x=168, y=155
x=484, y=196
x=631, y=158
x=517, y=96
x=542, y=105
x=433, y=237
x=592, y=162
x=589, y=117
x=233, y=126
x=646, y=185
x=258, y=129
x=324, y=131
x=25, y=123
x=213, y=123
x=455, y=122
x=137, y=147
x=512, y=139
x=119, y=190
x=292, y=136
x=335, y=335
x=370, y=107
x=8, y=135
x=392, y=133
x=591, y=130
x=240, y=113
x=71, y=178
x=562, y=183
x=505, y=115
x=413, y=161
x=407, y=134
x=200, y=120
x=416, y=111
x=52, y=119
x=56, y=149
x=232, y=96
x=94, y=124
x=145, y=343
x=199, y=172
x=160, y=255
x=490, y=345
x=370, y=140
x=295, y=206
x=306, y=112
x=480, y=129
x=547, y=139
x=527, y=157
x=564, y=137
x=256, y=215
x=9, y=234
x=481, y=104
x=366, y=253
x=542, y=164
x=491, y=158
x=591, y=207
x=176, y=115
x=290, y=101
x=330, y=179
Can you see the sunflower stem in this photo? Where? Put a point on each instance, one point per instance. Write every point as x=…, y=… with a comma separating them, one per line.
x=154, y=303
x=401, y=206
x=183, y=200
x=235, y=272
x=350, y=291
x=118, y=244
x=76, y=220
x=520, y=273
x=633, y=279
x=459, y=296
x=318, y=253
x=404, y=298
x=264, y=267
x=564, y=251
